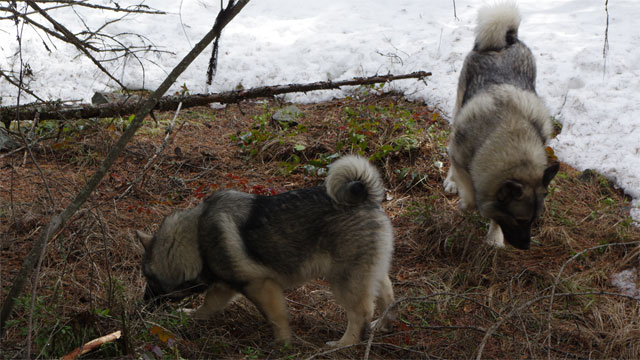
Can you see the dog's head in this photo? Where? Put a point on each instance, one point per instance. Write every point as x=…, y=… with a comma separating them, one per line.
x=518, y=204
x=171, y=262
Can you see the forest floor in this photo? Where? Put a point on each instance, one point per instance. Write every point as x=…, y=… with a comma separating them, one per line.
x=456, y=296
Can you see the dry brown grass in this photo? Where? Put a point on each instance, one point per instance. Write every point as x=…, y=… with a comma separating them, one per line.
x=455, y=294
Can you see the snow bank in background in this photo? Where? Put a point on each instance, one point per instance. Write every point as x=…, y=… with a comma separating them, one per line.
x=285, y=41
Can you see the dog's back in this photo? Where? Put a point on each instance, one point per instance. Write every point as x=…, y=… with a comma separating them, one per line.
x=299, y=234
x=498, y=56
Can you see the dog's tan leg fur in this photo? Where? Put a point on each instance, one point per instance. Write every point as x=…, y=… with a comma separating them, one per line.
x=459, y=181
x=358, y=303
x=267, y=295
x=359, y=315
x=385, y=298
x=215, y=300
x=495, y=236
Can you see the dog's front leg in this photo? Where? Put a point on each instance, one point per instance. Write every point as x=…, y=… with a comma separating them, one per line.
x=495, y=236
x=215, y=300
x=459, y=181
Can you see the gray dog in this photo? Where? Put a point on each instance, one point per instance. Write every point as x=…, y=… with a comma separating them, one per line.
x=257, y=246
x=500, y=127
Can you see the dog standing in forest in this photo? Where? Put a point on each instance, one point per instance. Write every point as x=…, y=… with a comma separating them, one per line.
x=500, y=128
x=238, y=243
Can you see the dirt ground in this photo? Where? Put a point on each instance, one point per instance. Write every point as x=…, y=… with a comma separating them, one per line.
x=456, y=296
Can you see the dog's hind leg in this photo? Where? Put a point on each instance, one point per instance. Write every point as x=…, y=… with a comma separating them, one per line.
x=267, y=295
x=359, y=304
x=385, y=298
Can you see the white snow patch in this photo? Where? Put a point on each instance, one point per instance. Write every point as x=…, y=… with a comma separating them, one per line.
x=627, y=281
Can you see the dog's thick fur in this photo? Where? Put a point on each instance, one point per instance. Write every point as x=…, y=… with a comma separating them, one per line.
x=257, y=246
x=500, y=127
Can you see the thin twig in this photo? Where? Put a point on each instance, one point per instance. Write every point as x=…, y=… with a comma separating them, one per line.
x=555, y=282
x=455, y=15
x=155, y=156
x=73, y=40
x=34, y=142
x=419, y=298
x=605, y=47
x=518, y=309
x=331, y=351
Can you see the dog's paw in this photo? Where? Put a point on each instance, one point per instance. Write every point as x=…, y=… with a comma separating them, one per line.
x=494, y=236
x=197, y=314
x=187, y=312
x=285, y=341
x=344, y=341
x=334, y=344
x=450, y=186
x=462, y=205
x=382, y=326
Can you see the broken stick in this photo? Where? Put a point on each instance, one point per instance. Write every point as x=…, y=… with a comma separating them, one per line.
x=92, y=345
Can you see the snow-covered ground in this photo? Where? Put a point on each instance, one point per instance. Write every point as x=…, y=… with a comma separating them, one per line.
x=284, y=41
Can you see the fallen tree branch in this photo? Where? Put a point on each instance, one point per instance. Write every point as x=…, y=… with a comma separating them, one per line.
x=129, y=105
x=92, y=345
x=59, y=220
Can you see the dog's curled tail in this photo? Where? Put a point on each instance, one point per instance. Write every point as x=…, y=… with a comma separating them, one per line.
x=353, y=180
x=497, y=26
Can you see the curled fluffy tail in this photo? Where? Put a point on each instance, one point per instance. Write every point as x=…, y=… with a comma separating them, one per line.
x=497, y=26
x=352, y=180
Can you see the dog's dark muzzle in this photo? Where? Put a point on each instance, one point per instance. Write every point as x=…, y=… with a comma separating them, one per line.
x=156, y=297
x=518, y=236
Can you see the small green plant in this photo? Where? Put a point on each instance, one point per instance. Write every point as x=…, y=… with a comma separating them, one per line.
x=320, y=164
x=184, y=90
x=52, y=336
x=379, y=130
x=252, y=353
x=264, y=134
x=268, y=138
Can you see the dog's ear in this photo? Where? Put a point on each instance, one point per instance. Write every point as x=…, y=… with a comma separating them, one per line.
x=145, y=239
x=509, y=190
x=549, y=173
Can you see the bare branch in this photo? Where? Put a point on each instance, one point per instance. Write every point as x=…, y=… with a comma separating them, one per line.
x=135, y=9
x=74, y=40
x=154, y=157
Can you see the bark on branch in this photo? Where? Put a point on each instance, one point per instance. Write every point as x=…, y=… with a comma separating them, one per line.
x=122, y=108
